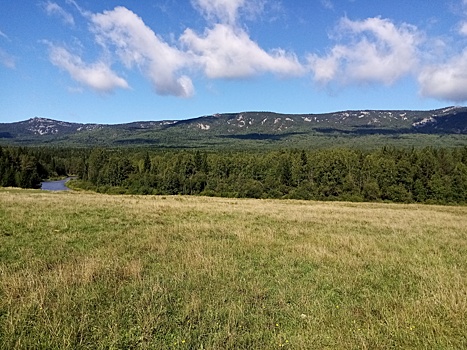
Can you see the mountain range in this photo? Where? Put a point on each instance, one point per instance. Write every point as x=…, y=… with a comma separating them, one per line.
x=253, y=129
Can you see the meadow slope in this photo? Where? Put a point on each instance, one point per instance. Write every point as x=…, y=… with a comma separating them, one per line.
x=83, y=270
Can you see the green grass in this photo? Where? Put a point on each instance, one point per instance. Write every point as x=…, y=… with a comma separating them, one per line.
x=82, y=270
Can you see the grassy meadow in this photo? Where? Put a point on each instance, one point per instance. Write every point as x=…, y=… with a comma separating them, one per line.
x=88, y=271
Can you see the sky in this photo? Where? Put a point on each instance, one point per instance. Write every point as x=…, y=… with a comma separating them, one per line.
x=121, y=61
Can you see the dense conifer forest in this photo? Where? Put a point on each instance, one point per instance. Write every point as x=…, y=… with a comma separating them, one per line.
x=428, y=175
x=27, y=167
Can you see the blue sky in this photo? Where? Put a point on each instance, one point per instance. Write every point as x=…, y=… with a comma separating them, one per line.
x=121, y=61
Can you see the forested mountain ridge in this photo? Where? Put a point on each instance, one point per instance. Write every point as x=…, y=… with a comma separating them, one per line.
x=245, y=126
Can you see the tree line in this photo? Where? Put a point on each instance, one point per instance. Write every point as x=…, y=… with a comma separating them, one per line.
x=428, y=175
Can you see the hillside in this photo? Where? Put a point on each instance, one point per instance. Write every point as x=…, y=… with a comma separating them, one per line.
x=249, y=128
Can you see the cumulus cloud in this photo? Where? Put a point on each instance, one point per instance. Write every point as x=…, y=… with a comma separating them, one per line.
x=137, y=45
x=446, y=81
x=53, y=9
x=444, y=75
x=227, y=52
x=372, y=50
x=97, y=76
x=377, y=51
x=223, y=51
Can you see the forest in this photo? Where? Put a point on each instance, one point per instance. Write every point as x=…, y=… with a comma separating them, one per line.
x=427, y=175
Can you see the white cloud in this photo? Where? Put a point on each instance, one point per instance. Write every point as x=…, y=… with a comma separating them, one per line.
x=444, y=75
x=446, y=81
x=97, y=76
x=377, y=51
x=328, y=4
x=228, y=11
x=226, y=52
x=137, y=45
x=223, y=51
x=54, y=9
x=4, y=35
x=225, y=11
x=7, y=60
x=463, y=28
x=83, y=12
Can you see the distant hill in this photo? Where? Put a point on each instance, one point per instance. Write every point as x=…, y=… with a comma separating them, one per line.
x=253, y=129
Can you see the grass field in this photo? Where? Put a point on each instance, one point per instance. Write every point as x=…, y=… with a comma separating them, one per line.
x=82, y=270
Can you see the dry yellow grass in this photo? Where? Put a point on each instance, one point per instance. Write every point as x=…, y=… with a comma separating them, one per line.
x=82, y=270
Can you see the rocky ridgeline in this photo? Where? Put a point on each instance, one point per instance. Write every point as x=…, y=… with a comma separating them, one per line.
x=451, y=120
